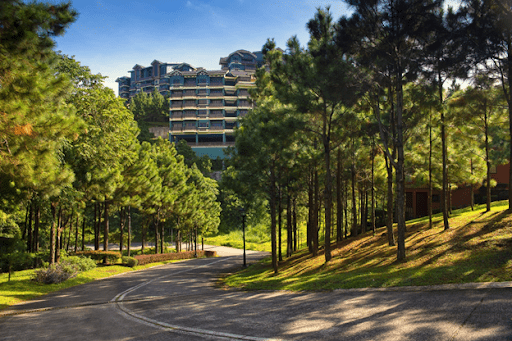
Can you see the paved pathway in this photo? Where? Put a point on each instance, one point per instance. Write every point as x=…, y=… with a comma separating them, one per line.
x=179, y=302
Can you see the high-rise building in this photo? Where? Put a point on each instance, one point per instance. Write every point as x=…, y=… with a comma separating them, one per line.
x=204, y=105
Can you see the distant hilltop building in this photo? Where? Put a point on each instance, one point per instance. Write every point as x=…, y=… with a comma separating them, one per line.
x=204, y=104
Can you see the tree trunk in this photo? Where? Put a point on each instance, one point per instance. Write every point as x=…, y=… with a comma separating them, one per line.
x=327, y=193
x=389, y=208
x=373, y=189
x=487, y=160
x=444, y=196
x=289, y=228
x=106, y=227
x=70, y=228
x=37, y=219
x=295, y=245
x=157, y=233
x=162, y=237
x=315, y=227
x=354, y=207
x=430, y=225
x=280, y=223
x=400, y=179
x=52, y=234
x=311, y=208
x=339, y=203
x=345, y=207
x=76, y=231
x=273, y=207
x=29, y=228
x=58, y=236
x=509, y=100
x=143, y=235
x=122, y=222
x=129, y=241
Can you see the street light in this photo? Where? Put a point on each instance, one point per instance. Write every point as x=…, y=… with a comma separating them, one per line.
x=242, y=211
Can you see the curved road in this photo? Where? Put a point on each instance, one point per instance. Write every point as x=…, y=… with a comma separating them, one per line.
x=180, y=302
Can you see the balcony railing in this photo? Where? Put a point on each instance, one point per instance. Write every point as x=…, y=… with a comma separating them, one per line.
x=174, y=95
x=176, y=106
x=176, y=117
x=189, y=129
x=216, y=128
x=190, y=115
x=216, y=115
x=177, y=129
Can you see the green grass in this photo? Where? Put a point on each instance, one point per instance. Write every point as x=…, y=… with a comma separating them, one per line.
x=22, y=288
x=477, y=248
x=257, y=239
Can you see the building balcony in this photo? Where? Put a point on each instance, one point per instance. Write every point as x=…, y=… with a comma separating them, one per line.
x=215, y=128
x=189, y=129
x=193, y=116
x=215, y=115
x=177, y=117
x=176, y=106
x=174, y=95
x=177, y=129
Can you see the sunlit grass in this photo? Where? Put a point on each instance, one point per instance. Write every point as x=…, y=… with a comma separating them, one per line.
x=257, y=239
x=477, y=248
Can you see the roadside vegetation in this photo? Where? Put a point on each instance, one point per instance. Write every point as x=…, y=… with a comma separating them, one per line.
x=477, y=248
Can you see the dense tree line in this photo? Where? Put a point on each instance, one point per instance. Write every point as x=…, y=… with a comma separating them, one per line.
x=70, y=157
x=373, y=102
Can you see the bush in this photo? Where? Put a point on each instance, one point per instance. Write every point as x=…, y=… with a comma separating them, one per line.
x=108, y=257
x=148, y=251
x=129, y=261
x=81, y=262
x=55, y=273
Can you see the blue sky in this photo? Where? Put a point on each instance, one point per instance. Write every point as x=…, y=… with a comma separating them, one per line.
x=111, y=36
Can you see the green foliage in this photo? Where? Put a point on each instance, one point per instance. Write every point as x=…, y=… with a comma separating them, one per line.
x=108, y=257
x=129, y=261
x=203, y=163
x=150, y=107
x=82, y=263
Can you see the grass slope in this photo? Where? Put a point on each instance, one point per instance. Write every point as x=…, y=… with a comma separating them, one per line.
x=476, y=248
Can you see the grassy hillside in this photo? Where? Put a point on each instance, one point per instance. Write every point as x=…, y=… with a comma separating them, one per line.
x=477, y=248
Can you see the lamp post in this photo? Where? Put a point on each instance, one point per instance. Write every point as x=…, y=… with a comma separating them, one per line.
x=242, y=211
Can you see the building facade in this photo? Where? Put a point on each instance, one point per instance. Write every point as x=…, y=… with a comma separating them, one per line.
x=417, y=197
x=204, y=105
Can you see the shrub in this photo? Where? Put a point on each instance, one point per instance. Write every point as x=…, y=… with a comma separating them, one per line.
x=55, y=273
x=105, y=256
x=129, y=261
x=81, y=262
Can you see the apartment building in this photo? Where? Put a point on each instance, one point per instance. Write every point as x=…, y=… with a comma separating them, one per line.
x=204, y=105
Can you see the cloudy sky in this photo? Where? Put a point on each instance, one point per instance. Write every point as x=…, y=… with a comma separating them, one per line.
x=111, y=36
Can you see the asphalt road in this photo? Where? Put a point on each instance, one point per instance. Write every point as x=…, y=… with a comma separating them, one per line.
x=180, y=302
